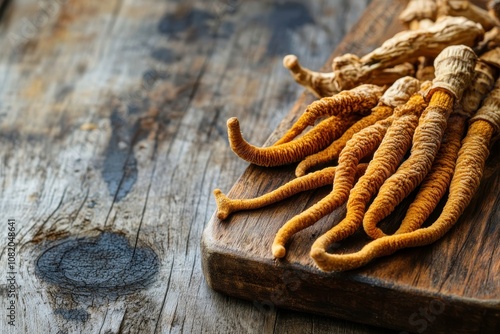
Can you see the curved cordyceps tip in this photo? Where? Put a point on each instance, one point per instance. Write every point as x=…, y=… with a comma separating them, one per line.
x=336, y=262
x=279, y=251
x=301, y=170
x=223, y=208
x=291, y=62
x=232, y=122
x=322, y=259
x=317, y=253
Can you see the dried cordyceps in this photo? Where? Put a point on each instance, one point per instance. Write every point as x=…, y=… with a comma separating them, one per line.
x=468, y=10
x=438, y=158
x=464, y=184
x=319, y=84
x=385, y=161
x=396, y=95
x=454, y=71
x=419, y=14
x=361, y=145
x=321, y=178
x=407, y=46
x=436, y=183
x=323, y=84
x=494, y=9
x=278, y=155
x=356, y=100
x=393, y=58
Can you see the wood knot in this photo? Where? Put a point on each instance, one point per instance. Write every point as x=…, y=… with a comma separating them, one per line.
x=106, y=264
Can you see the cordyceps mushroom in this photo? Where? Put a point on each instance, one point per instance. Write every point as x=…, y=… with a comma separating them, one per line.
x=464, y=184
x=454, y=70
x=393, y=59
x=385, y=161
x=396, y=95
x=315, y=140
x=468, y=10
x=491, y=38
x=420, y=14
x=322, y=84
x=321, y=178
x=356, y=100
x=361, y=145
x=436, y=183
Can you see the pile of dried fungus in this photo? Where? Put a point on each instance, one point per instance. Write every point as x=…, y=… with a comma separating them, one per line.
x=423, y=109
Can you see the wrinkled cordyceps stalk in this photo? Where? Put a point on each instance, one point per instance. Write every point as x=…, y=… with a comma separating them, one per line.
x=362, y=144
x=343, y=109
x=321, y=178
x=357, y=100
x=454, y=71
x=387, y=157
x=464, y=184
x=314, y=141
x=437, y=181
x=396, y=95
x=454, y=68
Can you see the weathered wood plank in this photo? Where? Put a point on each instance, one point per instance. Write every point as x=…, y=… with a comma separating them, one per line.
x=455, y=279
x=112, y=119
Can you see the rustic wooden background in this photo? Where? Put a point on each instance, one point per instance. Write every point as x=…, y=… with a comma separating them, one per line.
x=112, y=138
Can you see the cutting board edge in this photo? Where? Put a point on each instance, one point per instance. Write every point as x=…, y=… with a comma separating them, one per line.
x=471, y=313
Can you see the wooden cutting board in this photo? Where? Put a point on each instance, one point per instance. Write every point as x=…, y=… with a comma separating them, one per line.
x=452, y=286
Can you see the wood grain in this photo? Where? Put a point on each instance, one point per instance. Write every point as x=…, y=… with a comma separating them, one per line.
x=450, y=286
x=112, y=120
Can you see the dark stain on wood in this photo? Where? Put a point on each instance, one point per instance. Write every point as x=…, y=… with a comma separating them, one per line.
x=283, y=18
x=63, y=92
x=194, y=22
x=164, y=55
x=151, y=76
x=104, y=266
x=4, y=5
x=120, y=165
x=78, y=314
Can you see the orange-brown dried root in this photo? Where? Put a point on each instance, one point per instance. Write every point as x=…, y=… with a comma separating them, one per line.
x=385, y=161
x=465, y=182
x=426, y=142
x=437, y=181
x=332, y=152
x=398, y=94
x=454, y=71
x=315, y=140
x=356, y=100
x=324, y=177
x=465, y=8
x=361, y=144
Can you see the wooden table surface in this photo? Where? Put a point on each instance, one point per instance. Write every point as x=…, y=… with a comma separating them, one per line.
x=112, y=138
